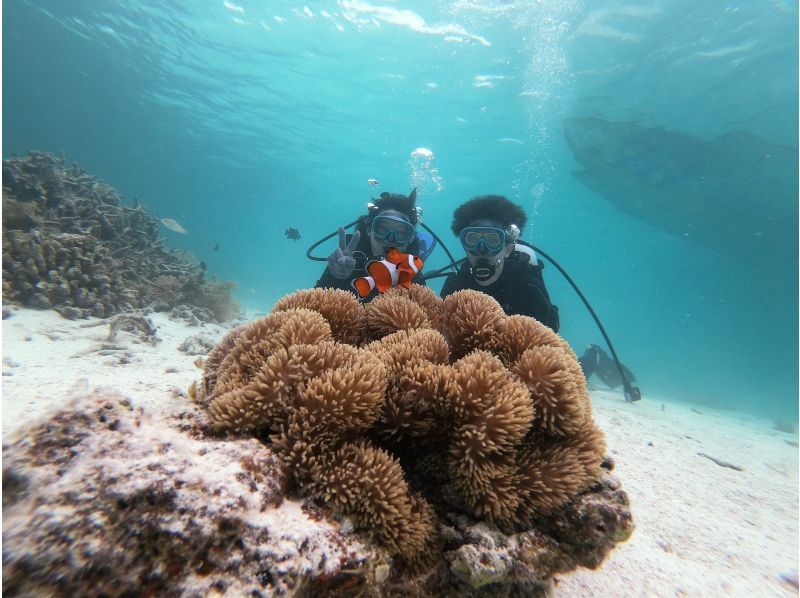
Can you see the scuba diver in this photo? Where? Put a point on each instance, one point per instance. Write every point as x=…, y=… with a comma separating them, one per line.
x=390, y=223
x=489, y=228
x=596, y=361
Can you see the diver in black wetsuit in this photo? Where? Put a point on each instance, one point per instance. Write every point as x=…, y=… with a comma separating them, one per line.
x=390, y=222
x=596, y=361
x=499, y=265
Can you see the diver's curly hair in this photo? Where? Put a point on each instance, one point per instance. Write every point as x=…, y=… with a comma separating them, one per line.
x=488, y=207
x=395, y=201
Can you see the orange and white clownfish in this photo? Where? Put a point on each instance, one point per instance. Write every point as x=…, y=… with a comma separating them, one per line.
x=395, y=269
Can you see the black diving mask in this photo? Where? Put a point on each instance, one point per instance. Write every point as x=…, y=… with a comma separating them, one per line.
x=392, y=230
x=483, y=240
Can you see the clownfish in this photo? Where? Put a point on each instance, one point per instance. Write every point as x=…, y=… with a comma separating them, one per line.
x=395, y=269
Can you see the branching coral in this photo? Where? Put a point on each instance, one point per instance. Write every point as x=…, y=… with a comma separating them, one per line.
x=493, y=407
x=69, y=244
x=212, y=295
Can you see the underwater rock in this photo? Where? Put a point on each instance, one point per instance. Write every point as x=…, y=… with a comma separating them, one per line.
x=40, y=301
x=191, y=314
x=68, y=242
x=591, y=524
x=198, y=344
x=103, y=499
x=785, y=427
x=790, y=579
x=69, y=312
x=424, y=468
x=140, y=325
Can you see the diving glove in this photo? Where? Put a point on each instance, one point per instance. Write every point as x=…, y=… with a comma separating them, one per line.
x=341, y=262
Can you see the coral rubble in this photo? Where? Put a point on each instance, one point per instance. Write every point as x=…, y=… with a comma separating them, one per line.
x=69, y=244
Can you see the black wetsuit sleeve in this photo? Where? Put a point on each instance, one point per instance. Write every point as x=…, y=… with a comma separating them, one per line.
x=537, y=301
x=450, y=286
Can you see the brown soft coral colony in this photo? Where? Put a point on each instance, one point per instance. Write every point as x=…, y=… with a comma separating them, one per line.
x=365, y=404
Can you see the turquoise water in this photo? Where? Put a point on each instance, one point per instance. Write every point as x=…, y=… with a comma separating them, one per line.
x=240, y=119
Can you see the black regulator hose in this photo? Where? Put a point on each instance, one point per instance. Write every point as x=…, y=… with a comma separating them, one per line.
x=322, y=240
x=453, y=262
x=632, y=393
x=443, y=271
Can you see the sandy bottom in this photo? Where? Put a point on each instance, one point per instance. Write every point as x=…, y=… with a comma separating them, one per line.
x=702, y=529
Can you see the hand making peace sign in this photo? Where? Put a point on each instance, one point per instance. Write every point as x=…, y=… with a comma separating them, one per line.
x=341, y=262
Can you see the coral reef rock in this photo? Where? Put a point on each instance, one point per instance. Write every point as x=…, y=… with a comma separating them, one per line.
x=103, y=499
x=197, y=344
x=69, y=244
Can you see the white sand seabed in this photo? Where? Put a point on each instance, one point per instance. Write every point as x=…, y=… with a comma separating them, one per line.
x=701, y=529
x=48, y=359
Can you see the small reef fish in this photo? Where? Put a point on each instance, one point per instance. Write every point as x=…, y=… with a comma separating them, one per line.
x=395, y=269
x=216, y=246
x=173, y=225
x=292, y=233
x=373, y=182
x=510, y=140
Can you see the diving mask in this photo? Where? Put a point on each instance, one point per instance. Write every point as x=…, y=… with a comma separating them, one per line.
x=392, y=230
x=483, y=240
